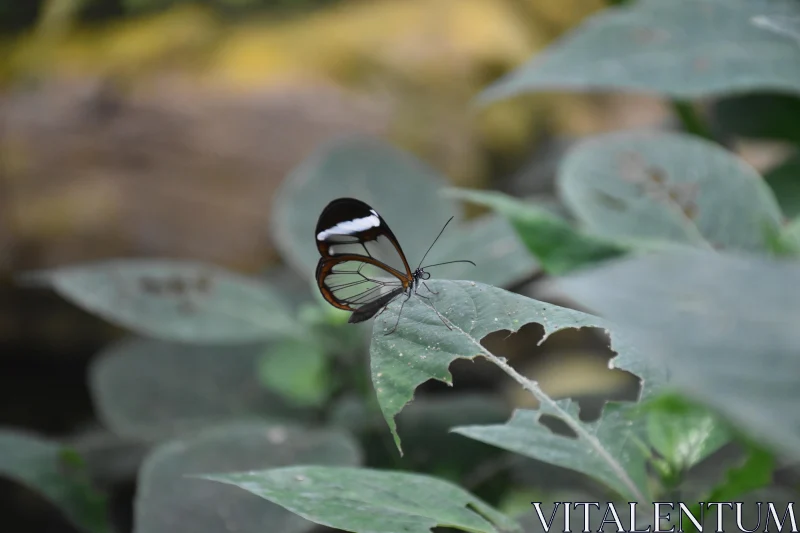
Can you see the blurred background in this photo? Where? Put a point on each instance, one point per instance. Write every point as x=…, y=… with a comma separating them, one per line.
x=163, y=128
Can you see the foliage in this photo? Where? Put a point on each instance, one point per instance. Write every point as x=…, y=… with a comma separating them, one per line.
x=681, y=246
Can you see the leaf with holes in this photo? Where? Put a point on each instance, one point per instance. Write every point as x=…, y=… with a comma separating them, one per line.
x=168, y=492
x=174, y=300
x=726, y=325
x=556, y=245
x=680, y=48
x=422, y=348
x=639, y=187
x=57, y=474
x=371, y=501
x=405, y=192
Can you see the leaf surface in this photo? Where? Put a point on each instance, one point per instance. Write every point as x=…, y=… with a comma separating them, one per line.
x=174, y=300
x=372, y=501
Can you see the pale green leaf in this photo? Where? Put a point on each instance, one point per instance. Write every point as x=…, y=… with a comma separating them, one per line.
x=678, y=48
x=635, y=186
x=786, y=25
x=725, y=325
x=170, y=499
x=52, y=470
x=371, y=501
x=174, y=300
x=422, y=348
x=143, y=387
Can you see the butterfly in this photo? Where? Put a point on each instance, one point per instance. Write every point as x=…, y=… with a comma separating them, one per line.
x=362, y=267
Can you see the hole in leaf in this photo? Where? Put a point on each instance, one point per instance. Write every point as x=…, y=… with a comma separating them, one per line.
x=557, y=426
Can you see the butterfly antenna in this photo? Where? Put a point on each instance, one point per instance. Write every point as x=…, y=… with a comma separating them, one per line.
x=434, y=241
x=451, y=262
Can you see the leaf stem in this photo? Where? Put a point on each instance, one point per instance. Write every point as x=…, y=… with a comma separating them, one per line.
x=690, y=119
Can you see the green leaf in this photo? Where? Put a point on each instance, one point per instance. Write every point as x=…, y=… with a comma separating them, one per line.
x=167, y=495
x=725, y=325
x=172, y=300
x=371, y=501
x=684, y=49
x=405, y=192
x=141, y=387
x=641, y=187
x=557, y=246
x=784, y=180
x=56, y=473
x=754, y=473
x=682, y=432
x=422, y=348
x=297, y=370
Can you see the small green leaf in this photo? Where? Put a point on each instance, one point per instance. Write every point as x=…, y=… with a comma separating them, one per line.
x=684, y=49
x=725, y=326
x=422, y=348
x=784, y=180
x=682, y=432
x=141, y=387
x=371, y=501
x=557, y=246
x=755, y=473
x=640, y=187
x=173, y=300
x=168, y=493
x=297, y=370
x=57, y=474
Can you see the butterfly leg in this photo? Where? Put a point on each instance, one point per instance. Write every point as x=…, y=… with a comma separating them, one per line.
x=398, y=313
x=435, y=311
x=429, y=289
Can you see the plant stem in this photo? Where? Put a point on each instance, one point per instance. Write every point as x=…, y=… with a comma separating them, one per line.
x=690, y=119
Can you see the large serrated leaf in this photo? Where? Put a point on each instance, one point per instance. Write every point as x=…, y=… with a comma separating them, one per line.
x=372, y=501
x=174, y=300
x=405, y=192
x=142, y=387
x=169, y=500
x=422, y=348
x=49, y=469
x=678, y=48
x=725, y=324
x=641, y=187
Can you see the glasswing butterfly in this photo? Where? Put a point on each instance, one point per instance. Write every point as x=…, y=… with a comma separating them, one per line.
x=363, y=268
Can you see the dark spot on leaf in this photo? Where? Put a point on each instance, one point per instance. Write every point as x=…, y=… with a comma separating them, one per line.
x=150, y=285
x=611, y=202
x=690, y=210
x=656, y=175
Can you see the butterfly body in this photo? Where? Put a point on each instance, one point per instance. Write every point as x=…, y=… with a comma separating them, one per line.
x=362, y=267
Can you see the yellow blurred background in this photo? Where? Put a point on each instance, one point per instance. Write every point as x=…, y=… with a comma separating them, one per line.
x=166, y=131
